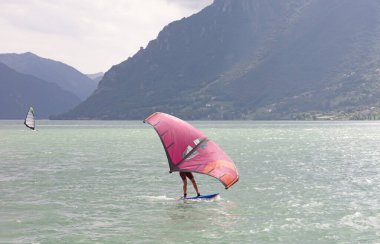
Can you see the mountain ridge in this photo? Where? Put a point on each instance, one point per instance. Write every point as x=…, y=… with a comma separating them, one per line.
x=250, y=59
x=20, y=91
x=64, y=75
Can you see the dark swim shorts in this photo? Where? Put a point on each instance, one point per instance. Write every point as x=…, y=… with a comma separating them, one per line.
x=186, y=174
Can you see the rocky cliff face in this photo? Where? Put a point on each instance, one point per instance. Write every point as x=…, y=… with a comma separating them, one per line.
x=259, y=59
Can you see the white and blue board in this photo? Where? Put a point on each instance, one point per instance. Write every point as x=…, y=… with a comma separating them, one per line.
x=203, y=197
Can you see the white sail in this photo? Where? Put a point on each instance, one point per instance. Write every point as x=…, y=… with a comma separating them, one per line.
x=30, y=120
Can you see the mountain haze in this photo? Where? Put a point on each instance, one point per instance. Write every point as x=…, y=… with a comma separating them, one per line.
x=251, y=59
x=20, y=91
x=49, y=70
x=96, y=77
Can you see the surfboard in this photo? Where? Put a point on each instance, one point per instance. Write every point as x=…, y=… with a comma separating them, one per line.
x=204, y=197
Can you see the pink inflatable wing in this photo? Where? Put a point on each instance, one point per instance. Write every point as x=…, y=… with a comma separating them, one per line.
x=189, y=150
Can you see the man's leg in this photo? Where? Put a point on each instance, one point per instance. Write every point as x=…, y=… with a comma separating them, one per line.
x=184, y=187
x=195, y=186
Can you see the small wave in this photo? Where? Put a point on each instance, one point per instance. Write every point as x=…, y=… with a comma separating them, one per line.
x=312, y=204
x=157, y=198
x=264, y=188
x=360, y=222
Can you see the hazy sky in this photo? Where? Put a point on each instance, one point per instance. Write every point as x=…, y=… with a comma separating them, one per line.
x=90, y=35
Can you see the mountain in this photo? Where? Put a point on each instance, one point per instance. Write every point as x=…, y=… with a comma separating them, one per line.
x=96, y=77
x=20, y=91
x=49, y=70
x=251, y=59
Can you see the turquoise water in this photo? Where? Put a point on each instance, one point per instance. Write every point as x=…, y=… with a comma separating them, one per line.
x=108, y=182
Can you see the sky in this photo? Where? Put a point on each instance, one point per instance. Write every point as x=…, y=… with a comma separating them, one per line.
x=90, y=35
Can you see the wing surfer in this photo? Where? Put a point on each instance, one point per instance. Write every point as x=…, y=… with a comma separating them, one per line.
x=191, y=177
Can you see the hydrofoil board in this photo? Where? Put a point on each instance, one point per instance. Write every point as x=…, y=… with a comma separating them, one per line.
x=204, y=197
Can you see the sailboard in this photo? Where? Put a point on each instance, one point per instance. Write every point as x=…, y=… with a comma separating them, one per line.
x=30, y=120
x=189, y=150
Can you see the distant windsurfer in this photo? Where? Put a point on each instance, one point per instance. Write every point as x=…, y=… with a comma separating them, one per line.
x=189, y=175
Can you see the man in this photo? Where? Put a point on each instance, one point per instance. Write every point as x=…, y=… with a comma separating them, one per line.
x=191, y=177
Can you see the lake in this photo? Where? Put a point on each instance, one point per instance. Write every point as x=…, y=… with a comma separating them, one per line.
x=109, y=182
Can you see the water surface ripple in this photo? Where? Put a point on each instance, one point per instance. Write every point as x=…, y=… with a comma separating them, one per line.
x=108, y=181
